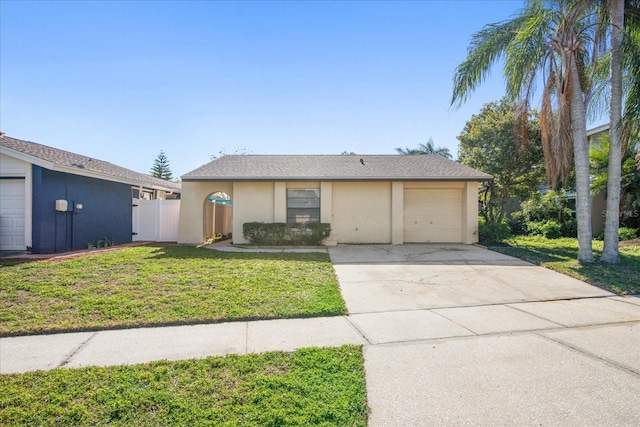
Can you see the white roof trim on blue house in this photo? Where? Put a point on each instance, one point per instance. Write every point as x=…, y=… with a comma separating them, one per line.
x=140, y=180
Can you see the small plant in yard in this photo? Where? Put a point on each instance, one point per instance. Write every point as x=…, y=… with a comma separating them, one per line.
x=624, y=233
x=311, y=387
x=100, y=243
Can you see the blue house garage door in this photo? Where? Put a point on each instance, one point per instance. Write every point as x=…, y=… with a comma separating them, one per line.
x=12, y=214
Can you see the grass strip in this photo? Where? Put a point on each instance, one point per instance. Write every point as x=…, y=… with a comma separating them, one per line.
x=313, y=386
x=561, y=255
x=164, y=285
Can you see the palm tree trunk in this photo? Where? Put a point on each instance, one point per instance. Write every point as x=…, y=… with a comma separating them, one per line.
x=610, y=252
x=581, y=159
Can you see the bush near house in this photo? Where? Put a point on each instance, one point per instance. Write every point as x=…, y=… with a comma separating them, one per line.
x=624, y=233
x=492, y=232
x=545, y=215
x=279, y=233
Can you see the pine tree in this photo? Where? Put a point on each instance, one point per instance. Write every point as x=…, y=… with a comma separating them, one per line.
x=161, y=168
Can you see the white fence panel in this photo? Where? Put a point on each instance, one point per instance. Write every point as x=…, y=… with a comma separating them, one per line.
x=156, y=220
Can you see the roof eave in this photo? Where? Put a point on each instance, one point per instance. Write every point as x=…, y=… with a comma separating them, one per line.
x=107, y=177
x=336, y=178
x=26, y=157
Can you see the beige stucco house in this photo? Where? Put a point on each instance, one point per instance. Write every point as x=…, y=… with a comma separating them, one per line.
x=386, y=199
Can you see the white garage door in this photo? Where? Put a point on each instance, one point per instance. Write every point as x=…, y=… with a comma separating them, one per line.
x=12, y=214
x=433, y=215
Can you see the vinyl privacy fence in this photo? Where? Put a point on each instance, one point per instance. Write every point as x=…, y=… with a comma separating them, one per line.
x=155, y=220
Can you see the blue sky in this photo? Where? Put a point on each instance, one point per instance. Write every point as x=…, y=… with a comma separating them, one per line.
x=122, y=80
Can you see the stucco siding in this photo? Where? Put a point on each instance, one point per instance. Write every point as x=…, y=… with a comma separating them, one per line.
x=470, y=213
x=191, y=227
x=358, y=211
x=361, y=212
x=252, y=201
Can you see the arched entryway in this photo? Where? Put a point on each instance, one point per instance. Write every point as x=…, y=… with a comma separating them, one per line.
x=218, y=216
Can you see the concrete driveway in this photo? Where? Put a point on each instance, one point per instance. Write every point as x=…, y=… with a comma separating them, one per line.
x=461, y=335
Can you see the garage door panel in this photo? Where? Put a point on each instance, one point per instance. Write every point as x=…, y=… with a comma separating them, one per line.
x=433, y=215
x=12, y=214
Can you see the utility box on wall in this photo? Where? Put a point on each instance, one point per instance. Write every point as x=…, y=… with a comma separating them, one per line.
x=61, y=205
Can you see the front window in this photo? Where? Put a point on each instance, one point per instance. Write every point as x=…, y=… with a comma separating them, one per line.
x=303, y=205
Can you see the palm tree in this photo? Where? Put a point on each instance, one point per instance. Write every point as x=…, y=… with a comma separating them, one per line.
x=625, y=53
x=610, y=252
x=428, y=148
x=556, y=41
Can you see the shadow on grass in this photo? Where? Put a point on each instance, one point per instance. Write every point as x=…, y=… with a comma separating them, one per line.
x=536, y=255
x=623, y=278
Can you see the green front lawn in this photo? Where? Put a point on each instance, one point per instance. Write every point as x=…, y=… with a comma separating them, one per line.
x=312, y=387
x=561, y=254
x=161, y=285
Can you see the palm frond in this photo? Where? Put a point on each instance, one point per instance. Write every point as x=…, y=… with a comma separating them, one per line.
x=526, y=53
x=487, y=46
x=631, y=65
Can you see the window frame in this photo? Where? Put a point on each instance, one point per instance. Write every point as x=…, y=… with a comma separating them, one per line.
x=296, y=212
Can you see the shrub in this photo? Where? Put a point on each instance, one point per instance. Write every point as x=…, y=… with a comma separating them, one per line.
x=275, y=233
x=319, y=232
x=269, y=234
x=626, y=233
x=255, y=232
x=518, y=224
x=548, y=229
x=545, y=215
x=552, y=206
x=490, y=232
x=569, y=228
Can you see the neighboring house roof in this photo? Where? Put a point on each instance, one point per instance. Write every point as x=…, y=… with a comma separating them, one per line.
x=599, y=129
x=65, y=161
x=335, y=167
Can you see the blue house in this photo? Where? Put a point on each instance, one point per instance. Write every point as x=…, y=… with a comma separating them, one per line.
x=52, y=200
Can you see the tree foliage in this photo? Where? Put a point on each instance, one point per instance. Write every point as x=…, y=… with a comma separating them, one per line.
x=488, y=143
x=160, y=168
x=629, y=208
x=428, y=148
x=558, y=41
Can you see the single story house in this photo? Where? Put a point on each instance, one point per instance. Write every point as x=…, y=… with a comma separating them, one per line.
x=385, y=199
x=52, y=200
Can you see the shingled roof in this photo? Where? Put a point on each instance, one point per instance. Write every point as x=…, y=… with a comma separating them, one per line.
x=65, y=161
x=335, y=167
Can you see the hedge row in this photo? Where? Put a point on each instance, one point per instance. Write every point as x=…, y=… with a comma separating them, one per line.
x=280, y=233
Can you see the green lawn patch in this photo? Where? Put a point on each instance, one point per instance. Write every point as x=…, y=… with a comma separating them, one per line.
x=561, y=254
x=312, y=387
x=162, y=285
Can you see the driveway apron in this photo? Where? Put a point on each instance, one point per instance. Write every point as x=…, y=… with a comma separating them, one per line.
x=459, y=335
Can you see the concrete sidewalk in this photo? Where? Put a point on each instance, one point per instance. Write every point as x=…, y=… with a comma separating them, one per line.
x=452, y=335
x=564, y=319
x=130, y=346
